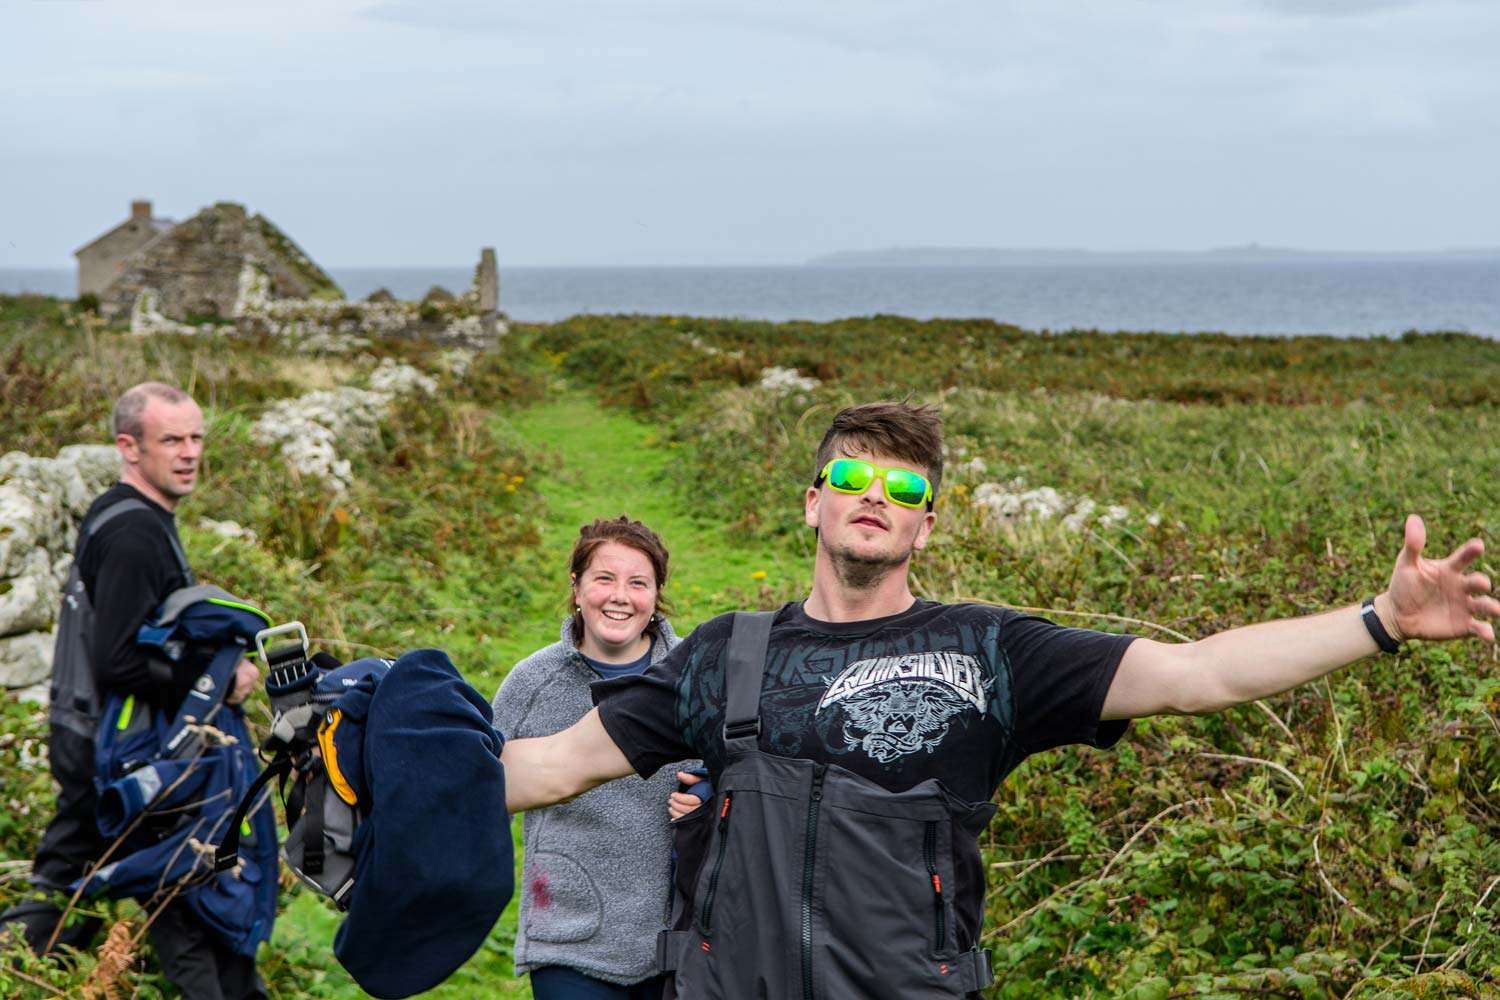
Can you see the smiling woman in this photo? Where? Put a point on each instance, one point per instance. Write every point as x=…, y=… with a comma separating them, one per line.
x=593, y=887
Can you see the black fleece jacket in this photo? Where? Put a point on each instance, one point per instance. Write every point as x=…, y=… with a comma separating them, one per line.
x=128, y=567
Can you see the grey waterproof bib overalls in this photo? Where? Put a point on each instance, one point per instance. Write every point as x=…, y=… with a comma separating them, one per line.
x=805, y=880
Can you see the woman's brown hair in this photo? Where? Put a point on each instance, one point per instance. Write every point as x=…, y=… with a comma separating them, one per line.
x=626, y=532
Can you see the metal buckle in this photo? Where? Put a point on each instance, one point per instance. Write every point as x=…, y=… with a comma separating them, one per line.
x=740, y=730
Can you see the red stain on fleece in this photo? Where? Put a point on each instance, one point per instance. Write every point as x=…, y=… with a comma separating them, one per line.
x=541, y=891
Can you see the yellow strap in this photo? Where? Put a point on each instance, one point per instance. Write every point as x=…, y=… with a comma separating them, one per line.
x=330, y=758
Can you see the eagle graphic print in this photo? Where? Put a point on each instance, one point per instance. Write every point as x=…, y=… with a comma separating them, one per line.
x=893, y=706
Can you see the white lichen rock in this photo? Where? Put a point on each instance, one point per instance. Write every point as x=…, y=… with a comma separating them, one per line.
x=456, y=361
x=31, y=518
x=28, y=601
x=254, y=293
x=781, y=381
x=395, y=379
x=25, y=659
x=232, y=530
x=146, y=318
x=312, y=430
x=1014, y=505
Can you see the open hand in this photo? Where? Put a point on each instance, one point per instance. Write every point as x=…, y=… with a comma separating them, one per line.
x=1437, y=598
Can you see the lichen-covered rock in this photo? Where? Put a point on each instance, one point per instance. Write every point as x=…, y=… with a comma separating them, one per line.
x=456, y=362
x=84, y=471
x=229, y=529
x=381, y=294
x=309, y=428
x=25, y=659
x=312, y=429
x=781, y=381
x=42, y=502
x=28, y=601
x=396, y=379
x=437, y=295
x=31, y=517
x=1013, y=504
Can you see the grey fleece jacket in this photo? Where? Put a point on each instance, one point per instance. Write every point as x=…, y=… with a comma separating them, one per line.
x=595, y=874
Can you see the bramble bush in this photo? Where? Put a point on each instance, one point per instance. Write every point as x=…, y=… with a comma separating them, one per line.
x=1341, y=840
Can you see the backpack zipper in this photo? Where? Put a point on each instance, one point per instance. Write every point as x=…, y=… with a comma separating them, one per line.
x=713, y=877
x=929, y=851
x=808, y=863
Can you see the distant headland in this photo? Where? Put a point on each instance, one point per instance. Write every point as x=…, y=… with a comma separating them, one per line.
x=997, y=257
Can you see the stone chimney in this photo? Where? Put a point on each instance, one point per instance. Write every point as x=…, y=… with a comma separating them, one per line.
x=140, y=210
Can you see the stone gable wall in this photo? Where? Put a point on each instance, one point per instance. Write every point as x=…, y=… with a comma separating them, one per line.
x=101, y=262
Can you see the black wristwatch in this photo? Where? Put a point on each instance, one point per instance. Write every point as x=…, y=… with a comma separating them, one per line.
x=1377, y=628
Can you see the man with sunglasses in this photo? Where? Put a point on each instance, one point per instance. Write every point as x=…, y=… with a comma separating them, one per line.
x=840, y=855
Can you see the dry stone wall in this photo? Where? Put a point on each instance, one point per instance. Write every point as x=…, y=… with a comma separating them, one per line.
x=42, y=502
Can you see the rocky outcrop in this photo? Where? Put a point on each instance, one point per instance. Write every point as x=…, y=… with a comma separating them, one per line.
x=42, y=502
x=314, y=431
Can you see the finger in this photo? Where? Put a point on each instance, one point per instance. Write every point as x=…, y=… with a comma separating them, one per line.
x=1483, y=630
x=1466, y=553
x=1477, y=583
x=1415, y=539
x=1484, y=607
x=688, y=777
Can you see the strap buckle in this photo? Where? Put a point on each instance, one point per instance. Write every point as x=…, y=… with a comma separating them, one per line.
x=742, y=729
x=984, y=967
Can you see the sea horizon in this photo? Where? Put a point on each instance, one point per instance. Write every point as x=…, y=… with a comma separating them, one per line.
x=1311, y=294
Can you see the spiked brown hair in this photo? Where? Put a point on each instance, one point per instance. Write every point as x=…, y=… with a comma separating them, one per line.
x=911, y=433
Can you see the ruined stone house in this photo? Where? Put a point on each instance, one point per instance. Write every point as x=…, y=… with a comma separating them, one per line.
x=228, y=270
x=195, y=267
x=101, y=260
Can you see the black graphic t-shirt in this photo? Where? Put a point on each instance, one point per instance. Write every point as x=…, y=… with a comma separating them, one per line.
x=958, y=692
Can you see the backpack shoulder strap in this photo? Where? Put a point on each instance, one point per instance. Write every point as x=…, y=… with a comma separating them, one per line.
x=113, y=511
x=744, y=670
x=102, y=518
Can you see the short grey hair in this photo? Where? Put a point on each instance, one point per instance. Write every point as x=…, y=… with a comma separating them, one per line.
x=131, y=405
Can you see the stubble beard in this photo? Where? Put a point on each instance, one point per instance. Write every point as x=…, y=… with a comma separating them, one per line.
x=860, y=571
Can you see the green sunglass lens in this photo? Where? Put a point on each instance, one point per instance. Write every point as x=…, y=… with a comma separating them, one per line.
x=850, y=476
x=906, y=487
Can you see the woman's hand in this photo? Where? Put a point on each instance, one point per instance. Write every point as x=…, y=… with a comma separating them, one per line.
x=679, y=804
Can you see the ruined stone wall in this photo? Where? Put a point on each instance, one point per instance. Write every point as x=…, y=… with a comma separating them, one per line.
x=42, y=502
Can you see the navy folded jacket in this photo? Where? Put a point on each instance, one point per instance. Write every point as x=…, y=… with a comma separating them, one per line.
x=434, y=865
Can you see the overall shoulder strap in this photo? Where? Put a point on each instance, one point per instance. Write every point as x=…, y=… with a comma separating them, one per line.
x=744, y=669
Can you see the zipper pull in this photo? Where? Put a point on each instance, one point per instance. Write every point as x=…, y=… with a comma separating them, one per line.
x=817, y=785
x=724, y=811
x=937, y=883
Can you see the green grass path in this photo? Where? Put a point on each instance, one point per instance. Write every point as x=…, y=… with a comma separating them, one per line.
x=595, y=462
x=603, y=463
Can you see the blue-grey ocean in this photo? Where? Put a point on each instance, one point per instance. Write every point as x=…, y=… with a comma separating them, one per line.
x=1354, y=297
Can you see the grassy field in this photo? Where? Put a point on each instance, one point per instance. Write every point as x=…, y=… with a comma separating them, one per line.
x=1338, y=841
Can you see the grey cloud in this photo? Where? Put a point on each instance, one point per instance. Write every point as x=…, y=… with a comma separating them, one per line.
x=1335, y=8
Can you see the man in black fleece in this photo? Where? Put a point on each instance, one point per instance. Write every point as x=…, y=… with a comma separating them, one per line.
x=128, y=566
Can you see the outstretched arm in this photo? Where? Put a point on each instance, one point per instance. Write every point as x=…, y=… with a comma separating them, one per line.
x=551, y=769
x=1427, y=599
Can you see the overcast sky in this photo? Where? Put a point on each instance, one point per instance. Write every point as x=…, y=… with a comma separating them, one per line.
x=411, y=132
